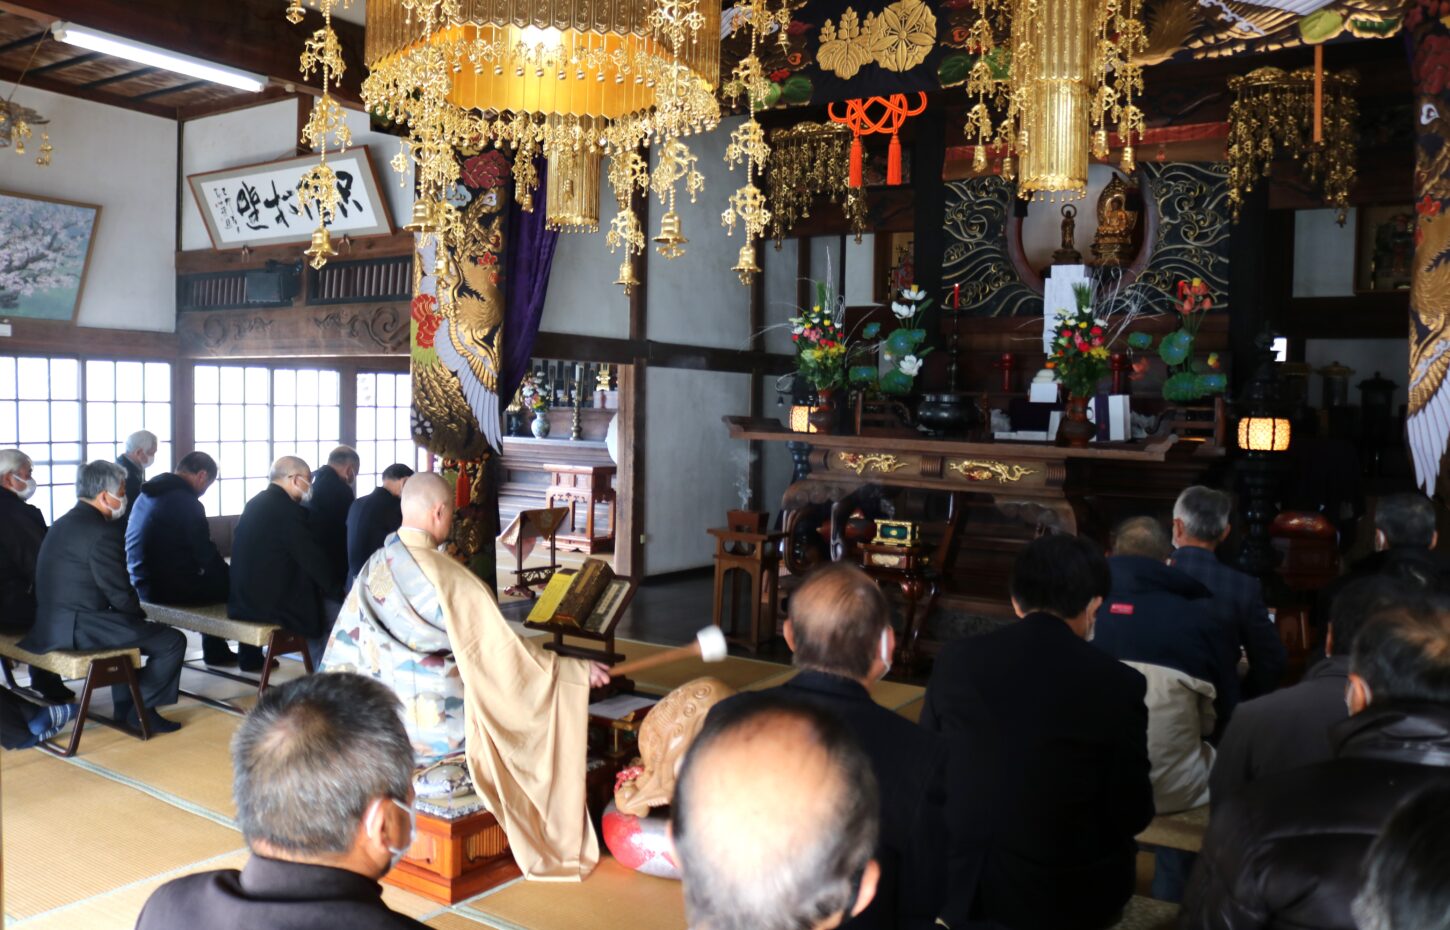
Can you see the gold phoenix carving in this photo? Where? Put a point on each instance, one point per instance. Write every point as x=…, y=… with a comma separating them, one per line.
x=860, y=463
x=980, y=470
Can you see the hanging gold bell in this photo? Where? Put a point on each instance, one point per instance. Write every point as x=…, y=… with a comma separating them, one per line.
x=626, y=278
x=1100, y=144
x=295, y=12
x=1009, y=167
x=1129, y=164
x=43, y=159
x=423, y=220
x=671, y=239
x=979, y=158
x=321, y=248
x=746, y=266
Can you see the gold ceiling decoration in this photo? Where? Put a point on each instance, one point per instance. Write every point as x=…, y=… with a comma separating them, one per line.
x=573, y=191
x=546, y=79
x=1273, y=114
x=898, y=39
x=808, y=160
x=317, y=190
x=18, y=122
x=747, y=143
x=1048, y=90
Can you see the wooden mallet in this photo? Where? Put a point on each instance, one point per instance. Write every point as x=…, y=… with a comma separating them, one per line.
x=709, y=645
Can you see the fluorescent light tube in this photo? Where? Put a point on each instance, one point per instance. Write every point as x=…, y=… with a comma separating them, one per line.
x=141, y=53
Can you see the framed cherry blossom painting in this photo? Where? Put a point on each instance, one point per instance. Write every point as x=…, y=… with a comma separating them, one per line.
x=45, y=247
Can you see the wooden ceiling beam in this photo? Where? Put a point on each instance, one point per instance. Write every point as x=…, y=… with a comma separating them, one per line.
x=22, y=42
x=95, y=96
x=249, y=34
x=117, y=78
x=174, y=89
x=65, y=63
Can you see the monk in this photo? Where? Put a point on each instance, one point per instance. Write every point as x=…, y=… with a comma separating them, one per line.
x=428, y=627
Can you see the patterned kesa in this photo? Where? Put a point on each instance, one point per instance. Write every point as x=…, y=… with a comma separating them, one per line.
x=391, y=628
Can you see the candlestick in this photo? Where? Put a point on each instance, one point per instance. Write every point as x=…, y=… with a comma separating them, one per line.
x=1006, y=365
x=576, y=427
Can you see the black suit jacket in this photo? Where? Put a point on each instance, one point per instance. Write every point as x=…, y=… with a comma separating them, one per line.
x=1057, y=732
x=80, y=577
x=910, y=768
x=369, y=521
x=272, y=894
x=22, y=528
x=1238, y=604
x=327, y=518
x=279, y=573
x=134, y=478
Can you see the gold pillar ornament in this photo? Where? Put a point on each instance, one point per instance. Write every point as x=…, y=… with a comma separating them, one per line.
x=1273, y=115
x=1050, y=78
x=573, y=191
x=317, y=190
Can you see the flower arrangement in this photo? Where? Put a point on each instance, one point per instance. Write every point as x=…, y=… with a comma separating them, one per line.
x=1080, y=347
x=901, y=351
x=820, y=341
x=532, y=395
x=1188, y=379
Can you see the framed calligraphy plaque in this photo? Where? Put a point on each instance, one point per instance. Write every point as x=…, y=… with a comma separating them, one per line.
x=258, y=204
x=45, y=246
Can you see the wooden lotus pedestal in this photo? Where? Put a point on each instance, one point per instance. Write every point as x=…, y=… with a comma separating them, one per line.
x=453, y=859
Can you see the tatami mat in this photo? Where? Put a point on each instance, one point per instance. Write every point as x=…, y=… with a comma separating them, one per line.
x=612, y=898
x=71, y=834
x=452, y=921
x=118, y=910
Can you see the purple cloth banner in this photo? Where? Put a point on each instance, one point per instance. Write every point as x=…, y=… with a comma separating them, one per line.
x=530, y=256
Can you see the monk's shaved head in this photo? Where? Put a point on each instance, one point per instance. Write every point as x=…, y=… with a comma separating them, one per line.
x=837, y=617
x=775, y=817
x=427, y=502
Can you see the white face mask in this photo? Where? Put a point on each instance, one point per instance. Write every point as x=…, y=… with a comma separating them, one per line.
x=27, y=488
x=398, y=852
x=120, y=511
x=885, y=656
x=146, y=461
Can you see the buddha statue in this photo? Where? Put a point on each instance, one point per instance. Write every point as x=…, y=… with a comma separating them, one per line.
x=1113, y=243
x=634, y=830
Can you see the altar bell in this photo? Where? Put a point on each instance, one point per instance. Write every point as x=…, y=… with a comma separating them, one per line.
x=426, y=625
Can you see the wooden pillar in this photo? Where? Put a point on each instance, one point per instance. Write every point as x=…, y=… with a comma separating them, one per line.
x=630, y=502
x=757, y=394
x=1249, y=255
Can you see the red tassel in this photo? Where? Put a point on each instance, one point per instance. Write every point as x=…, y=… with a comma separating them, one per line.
x=462, y=490
x=856, y=162
x=893, y=161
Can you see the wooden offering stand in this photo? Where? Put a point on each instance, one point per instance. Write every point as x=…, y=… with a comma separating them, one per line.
x=622, y=590
x=459, y=851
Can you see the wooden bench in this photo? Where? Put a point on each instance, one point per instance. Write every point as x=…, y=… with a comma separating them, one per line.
x=98, y=667
x=1183, y=830
x=212, y=620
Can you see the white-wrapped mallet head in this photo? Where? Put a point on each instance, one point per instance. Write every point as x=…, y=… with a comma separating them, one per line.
x=712, y=644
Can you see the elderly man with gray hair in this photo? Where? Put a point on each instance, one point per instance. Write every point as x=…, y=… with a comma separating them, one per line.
x=85, y=601
x=140, y=455
x=1200, y=524
x=322, y=775
x=22, y=529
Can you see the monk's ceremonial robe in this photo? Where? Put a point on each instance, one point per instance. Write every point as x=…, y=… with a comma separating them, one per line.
x=525, y=709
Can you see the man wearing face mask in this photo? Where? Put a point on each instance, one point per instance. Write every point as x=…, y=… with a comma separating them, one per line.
x=84, y=598
x=840, y=635
x=1056, y=731
x=22, y=528
x=322, y=776
x=1287, y=850
x=279, y=573
x=140, y=455
x=169, y=551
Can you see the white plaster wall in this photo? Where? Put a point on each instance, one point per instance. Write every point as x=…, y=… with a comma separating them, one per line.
x=126, y=163
x=780, y=286
x=267, y=133
x=861, y=271
x=1389, y=357
x=1323, y=254
x=582, y=297
x=692, y=468
x=696, y=298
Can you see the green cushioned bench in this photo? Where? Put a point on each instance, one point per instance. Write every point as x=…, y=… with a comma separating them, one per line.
x=212, y=620
x=98, y=668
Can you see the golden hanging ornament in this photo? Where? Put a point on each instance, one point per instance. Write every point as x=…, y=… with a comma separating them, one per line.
x=671, y=240
x=326, y=125
x=573, y=191
x=321, y=248
x=1273, y=115
x=807, y=161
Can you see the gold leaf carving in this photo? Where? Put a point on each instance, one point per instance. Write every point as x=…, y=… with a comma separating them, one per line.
x=903, y=35
x=843, y=51
x=987, y=470
x=881, y=462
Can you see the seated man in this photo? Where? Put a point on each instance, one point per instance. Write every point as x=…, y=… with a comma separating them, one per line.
x=1404, y=882
x=84, y=598
x=1061, y=731
x=374, y=518
x=1200, y=523
x=322, y=775
x=23, y=724
x=279, y=574
x=526, y=719
x=140, y=454
x=22, y=528
x=1291, y=728
x=1158, y=622
x=1286, y=851
x=169, y=551
x=774, y=819
x=327, y=507
x=839, y=630
x=1404, y=549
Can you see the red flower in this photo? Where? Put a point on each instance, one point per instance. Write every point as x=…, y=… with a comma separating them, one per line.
x=1428, y=206
x=426, y=318
x=487, y=170
x=488, y=258
x=779, y=75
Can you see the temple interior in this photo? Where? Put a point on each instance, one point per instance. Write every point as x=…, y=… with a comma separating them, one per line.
x=686, y=303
